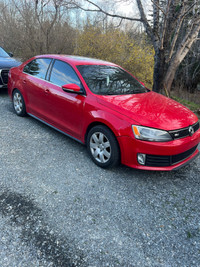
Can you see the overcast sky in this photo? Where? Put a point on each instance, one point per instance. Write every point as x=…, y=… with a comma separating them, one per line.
x=122, y=7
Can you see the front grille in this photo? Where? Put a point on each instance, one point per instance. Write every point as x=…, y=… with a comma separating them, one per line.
x=4, y=76
x=158, y=161
x=196, y=126
x=165, y=161
x=183, y=132
x=180, y=157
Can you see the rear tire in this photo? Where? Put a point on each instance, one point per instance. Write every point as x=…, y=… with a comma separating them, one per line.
x=18, y=103
x=103, y=147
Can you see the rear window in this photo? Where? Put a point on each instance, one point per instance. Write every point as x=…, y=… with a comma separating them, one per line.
x=38, y=67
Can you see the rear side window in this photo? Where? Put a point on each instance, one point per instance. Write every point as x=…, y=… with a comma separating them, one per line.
x=62, y=74
x=38, y=67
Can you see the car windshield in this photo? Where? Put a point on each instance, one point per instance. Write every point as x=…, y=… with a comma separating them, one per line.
x=3, y=53
x=110, y=80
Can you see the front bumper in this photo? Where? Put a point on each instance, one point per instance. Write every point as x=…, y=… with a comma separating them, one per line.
x=4, y=78
x=163, y=156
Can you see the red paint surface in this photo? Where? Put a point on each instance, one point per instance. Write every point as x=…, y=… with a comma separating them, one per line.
x=74, y=113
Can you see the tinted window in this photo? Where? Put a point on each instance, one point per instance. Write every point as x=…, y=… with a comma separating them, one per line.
x=108, y=80
x=38, y=67
x=63, y=74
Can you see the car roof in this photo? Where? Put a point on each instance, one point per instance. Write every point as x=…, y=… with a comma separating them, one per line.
x=77, y=60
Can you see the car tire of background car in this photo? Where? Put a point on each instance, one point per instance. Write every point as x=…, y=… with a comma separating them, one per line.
x=18, y=103
x=103, y=147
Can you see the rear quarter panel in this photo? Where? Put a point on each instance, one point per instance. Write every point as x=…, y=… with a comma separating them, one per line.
x=15, y=81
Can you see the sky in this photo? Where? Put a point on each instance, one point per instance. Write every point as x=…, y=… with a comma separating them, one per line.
x=122, y=7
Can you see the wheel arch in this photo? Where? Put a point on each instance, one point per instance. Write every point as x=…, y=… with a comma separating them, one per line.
x=108, y=129
x=13, y=90
x=23, y=111
x=93, y=124
x=22, y=92
x=16, y=88
x=97, y=123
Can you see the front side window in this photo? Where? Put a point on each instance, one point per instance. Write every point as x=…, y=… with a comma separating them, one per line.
x=110, y=80
x=62, y=74
x=38, y=67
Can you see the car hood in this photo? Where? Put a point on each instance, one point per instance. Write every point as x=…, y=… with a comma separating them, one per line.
x=150, y=109
x=8, y=62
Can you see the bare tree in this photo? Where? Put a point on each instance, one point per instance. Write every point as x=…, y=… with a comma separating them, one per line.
x=35, y=27
x=164, y=30
x=39, y=18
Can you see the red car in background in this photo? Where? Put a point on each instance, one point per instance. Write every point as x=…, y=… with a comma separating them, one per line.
x=103, y=106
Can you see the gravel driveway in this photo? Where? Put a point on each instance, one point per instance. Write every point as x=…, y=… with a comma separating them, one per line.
x=57, y=208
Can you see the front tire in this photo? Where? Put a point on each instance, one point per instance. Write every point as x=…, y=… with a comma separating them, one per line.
x=18, y=103
x=103, y=147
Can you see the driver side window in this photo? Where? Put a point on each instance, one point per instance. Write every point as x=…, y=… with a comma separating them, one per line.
x=62, y=74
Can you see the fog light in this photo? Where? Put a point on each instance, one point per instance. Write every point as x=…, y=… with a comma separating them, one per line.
x=141, y=158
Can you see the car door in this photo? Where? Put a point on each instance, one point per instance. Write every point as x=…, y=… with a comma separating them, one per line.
x=36, y=87
x=66, y=109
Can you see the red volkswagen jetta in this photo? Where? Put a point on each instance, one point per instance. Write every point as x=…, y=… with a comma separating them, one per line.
x=103, y=106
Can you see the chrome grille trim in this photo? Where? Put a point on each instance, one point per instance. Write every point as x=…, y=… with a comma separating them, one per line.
x=184, y=132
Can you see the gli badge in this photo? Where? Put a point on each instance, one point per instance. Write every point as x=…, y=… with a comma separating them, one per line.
x=191, y=131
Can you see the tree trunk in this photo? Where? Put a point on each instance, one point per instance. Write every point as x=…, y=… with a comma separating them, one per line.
x=168, y=19
x=180, y=54
x=159, y=63
x=169, y=77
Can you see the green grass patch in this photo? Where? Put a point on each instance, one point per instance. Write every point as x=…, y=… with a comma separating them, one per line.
x=191, y=105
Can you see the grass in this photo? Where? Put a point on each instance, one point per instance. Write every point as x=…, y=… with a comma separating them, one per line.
x=191, y=105
x=189, y=235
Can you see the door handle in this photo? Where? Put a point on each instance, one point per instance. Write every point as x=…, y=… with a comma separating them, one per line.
x=47, y=91
x=24, y=81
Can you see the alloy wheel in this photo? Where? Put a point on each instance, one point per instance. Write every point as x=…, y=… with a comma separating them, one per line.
x=17, y=102
x=100, y=147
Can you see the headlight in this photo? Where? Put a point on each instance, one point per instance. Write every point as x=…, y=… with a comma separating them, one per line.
x=150, y=134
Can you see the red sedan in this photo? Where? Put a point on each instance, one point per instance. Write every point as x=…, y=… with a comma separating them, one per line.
x=103, y=106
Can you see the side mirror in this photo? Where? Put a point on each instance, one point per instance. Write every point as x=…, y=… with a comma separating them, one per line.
x=72, y=88
x=10, y=54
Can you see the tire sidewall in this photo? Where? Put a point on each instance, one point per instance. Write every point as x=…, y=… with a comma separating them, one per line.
x=22, y=113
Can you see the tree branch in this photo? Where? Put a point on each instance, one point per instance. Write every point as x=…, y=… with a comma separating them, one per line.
x=178, y=28
x=165, y=24
x=74, y=4
x=158, y=7
x=146, y=23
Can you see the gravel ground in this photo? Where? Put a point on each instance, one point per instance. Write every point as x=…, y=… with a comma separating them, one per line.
x=57, y=208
